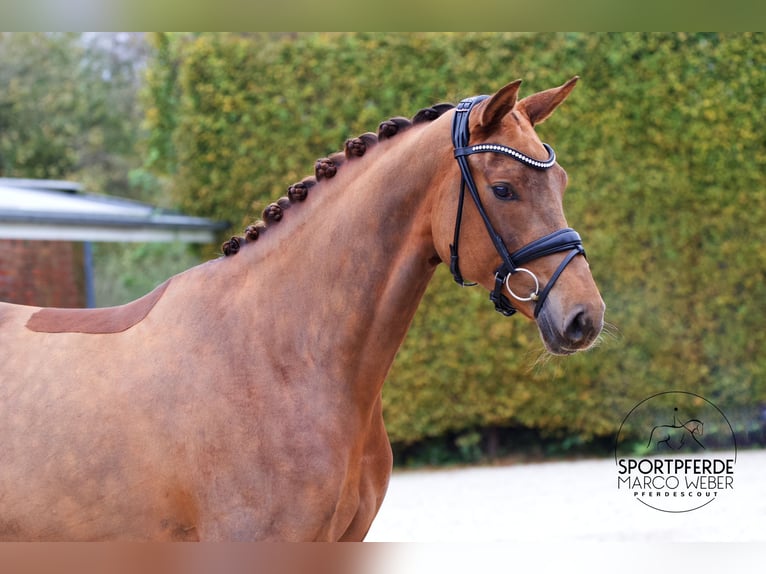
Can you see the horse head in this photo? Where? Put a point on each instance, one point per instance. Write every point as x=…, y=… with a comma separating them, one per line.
x=511, y=236
x=694, y=426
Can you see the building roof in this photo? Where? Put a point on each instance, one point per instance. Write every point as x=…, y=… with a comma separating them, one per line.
x=60, y=210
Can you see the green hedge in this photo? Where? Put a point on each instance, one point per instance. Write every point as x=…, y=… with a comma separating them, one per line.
x=59, y=118
x=665, y=151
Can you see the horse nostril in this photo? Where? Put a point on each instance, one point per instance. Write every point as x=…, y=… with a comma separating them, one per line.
x=579, y=327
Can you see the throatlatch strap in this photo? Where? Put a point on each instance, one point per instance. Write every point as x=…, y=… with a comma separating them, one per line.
x=454, y=266
x=460, y=135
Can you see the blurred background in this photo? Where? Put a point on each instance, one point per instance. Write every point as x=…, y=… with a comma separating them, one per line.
x=662, y=141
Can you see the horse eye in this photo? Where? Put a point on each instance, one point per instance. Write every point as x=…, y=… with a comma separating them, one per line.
x=504, y=191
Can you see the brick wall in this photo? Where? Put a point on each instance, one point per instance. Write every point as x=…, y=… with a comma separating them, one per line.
x=43, y=273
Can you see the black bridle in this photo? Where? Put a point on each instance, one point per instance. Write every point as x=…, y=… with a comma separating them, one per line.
x=558, y=241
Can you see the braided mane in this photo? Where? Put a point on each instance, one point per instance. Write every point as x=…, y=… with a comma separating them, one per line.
x=326, y=168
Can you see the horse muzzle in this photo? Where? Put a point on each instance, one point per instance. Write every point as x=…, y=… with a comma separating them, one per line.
x=574, y=330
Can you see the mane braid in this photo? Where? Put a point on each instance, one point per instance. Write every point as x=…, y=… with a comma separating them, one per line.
x=326, y=168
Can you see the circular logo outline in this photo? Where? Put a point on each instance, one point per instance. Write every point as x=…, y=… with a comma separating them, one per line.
x=637, y=405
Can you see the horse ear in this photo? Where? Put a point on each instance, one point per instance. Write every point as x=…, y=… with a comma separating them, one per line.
x=500, y=104
x=538, y=107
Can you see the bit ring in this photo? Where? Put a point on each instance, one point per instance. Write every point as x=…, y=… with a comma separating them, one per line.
x=532, y=296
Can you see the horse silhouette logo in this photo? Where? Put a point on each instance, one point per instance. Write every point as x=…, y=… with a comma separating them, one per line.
x=676, y=435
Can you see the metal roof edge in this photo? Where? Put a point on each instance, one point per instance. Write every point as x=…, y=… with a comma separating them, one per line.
x=42, y=184
x=166, y=219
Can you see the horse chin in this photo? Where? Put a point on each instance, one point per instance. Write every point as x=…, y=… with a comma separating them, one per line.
x=554, y=348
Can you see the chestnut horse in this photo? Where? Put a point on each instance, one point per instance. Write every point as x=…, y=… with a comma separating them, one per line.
x=241, y=400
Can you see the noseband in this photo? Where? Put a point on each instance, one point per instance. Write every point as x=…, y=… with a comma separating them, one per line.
x=558, y=241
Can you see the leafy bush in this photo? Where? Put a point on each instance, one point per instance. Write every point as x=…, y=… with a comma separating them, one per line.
x=68, y=107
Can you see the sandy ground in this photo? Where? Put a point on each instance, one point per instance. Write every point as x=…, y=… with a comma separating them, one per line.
x=561, y=501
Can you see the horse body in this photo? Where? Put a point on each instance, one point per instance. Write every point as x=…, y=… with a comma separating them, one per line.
x=177, y=404
x=677, y=435
x=242, y=401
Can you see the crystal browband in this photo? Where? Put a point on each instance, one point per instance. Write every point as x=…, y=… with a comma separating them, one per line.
x=509, y=151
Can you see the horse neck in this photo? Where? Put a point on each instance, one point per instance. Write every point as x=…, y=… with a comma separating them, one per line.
x=344, y=272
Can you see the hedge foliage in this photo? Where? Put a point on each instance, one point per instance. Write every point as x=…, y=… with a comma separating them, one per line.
x=68, y=108
x=664, y=146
